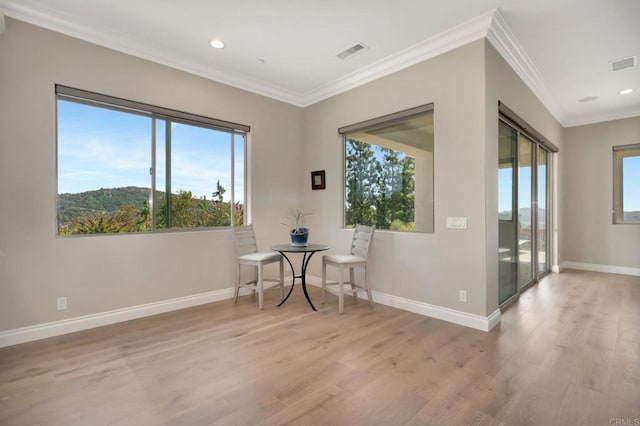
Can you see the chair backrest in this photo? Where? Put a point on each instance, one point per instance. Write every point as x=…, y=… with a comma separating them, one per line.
x=245, y=240
x=362, y=238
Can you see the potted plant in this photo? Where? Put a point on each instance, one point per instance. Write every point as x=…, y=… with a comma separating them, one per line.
x=299, y=232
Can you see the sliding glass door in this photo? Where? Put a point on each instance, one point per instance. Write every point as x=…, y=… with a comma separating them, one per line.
x=543, y=214
x=523, y=211
x=507, y=226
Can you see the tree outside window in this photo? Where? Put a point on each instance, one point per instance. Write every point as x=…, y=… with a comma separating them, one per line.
x=389, y=175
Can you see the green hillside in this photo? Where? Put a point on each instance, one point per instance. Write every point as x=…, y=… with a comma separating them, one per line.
x=122, y=210
x=632, y=216
x=103, y=200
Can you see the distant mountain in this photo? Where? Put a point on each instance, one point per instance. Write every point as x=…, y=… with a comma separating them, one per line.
x=106, y=200
x=633, y=216
x=524, y=216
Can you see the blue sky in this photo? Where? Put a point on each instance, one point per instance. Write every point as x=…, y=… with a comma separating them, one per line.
x=102, y=148
x=631, y=187
x=630, y=194
x=504, y=188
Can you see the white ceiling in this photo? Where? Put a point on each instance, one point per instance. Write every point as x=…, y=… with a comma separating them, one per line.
x=560, y=48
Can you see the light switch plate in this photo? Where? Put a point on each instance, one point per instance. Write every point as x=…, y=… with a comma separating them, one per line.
x=457, y=222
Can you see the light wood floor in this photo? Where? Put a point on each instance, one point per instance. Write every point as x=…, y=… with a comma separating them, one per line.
x=567, y=353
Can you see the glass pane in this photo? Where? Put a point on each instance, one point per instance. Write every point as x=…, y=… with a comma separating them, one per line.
x=631, y=188
x=389, y=176
x=103, y=170
x=525, y=192
x=543, y=213
x=200, y=178
x=239, y=192
x=507, y=248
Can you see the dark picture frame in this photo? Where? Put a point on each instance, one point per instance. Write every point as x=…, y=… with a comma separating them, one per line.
x=318, y=180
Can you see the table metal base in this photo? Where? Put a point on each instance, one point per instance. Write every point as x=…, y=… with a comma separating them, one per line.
x=302, y=277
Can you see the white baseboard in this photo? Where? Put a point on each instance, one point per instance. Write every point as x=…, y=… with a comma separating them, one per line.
x=70, y=325
x=477, y=322
x=624, y=270
x=451, y=315
x=556, y=269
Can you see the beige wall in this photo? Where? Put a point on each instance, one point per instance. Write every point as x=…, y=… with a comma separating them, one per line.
x=590, y=237
x=109, y=272
x=465, y=86
x=504, y=85
x=429, y=268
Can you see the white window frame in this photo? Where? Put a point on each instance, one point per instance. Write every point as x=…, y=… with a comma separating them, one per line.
x=93, y=99
x=619, y=153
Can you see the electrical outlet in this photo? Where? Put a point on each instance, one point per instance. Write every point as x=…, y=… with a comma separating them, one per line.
x=463, y=296
x=61, y=303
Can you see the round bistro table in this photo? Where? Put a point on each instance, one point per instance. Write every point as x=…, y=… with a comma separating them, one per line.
x=307, y=251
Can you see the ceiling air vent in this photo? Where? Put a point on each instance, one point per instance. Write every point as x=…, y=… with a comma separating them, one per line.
x=621, y=64
x=346, y=54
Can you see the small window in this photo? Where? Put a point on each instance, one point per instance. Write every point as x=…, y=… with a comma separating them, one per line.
x=389, y=171
x=626, y=184
x=126, y=167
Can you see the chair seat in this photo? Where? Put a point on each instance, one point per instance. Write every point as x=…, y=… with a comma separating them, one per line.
x=248, y=256
x=260, y=257
x=343, y=259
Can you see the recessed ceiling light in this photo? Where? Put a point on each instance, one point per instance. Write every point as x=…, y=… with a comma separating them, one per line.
x=217, y=44
x=625, y=91
x=588, y=99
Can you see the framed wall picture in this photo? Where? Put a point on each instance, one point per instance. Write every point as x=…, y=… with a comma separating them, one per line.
x=318, y=180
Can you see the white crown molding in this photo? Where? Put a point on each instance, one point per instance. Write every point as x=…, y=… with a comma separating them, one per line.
x=505, y=42
x=465, y=33
x=490, y=25
x=460, y=35
x=3, y=28
x=23, y=10
x=607, y=116
x=611, y=269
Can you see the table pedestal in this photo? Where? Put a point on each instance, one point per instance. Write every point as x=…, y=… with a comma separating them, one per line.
x=307, y=252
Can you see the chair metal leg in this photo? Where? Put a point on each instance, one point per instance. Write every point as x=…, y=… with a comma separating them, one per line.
x=324, y=281
x=341, y=290
x=235, y=296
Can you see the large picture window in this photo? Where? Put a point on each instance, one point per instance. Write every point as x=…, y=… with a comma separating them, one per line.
x=626, y=184
x=128, y=167
x=389, y=171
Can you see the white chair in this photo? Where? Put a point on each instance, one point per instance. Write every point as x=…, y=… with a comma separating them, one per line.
x=248, y=255
x=358, y=256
